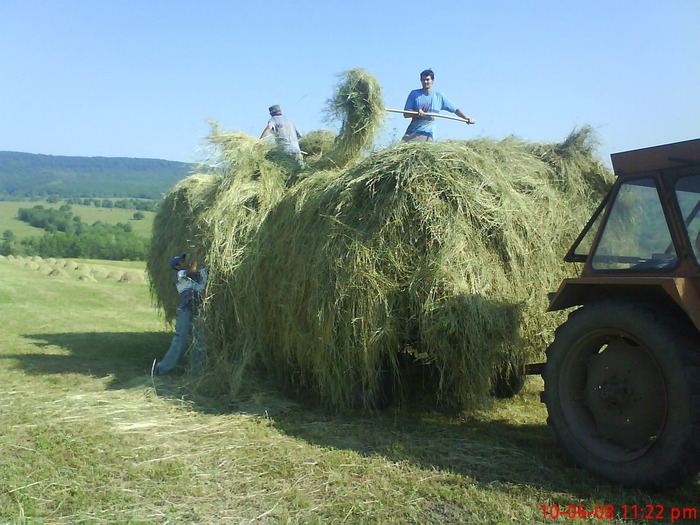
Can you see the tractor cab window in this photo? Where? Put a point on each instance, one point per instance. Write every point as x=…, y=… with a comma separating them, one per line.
x=582, y=246
x=688, y=195
x=636, y=235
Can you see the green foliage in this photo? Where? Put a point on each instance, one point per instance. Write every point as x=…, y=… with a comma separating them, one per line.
x=68, y=236
x=27, y=175
x=95, y=244
x=124, y=204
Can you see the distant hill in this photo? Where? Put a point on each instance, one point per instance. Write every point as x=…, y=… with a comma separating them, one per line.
x=27, y=175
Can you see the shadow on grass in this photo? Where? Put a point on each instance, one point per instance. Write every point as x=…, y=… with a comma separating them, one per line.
x=121, y=355
x=486, y=450
x=494, y=454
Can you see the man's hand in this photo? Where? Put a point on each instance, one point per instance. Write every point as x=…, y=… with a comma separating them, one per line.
x=467, y=119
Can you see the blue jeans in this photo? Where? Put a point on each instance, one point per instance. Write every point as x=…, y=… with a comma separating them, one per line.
x=189, y=333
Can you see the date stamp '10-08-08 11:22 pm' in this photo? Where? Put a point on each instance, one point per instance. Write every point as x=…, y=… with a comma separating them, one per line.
x=644, y=512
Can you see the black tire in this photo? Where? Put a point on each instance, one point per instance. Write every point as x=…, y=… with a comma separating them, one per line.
x=622, y=388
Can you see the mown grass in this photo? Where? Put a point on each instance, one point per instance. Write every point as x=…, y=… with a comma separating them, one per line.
x=88, y=436
x=88, y=214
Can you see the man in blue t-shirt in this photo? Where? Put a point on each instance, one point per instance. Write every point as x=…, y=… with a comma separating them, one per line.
x=426, y=100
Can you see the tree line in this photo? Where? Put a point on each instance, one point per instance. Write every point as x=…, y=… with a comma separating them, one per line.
x=68, y=236
x=124, y=204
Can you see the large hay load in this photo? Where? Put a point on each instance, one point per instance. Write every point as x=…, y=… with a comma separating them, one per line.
x=421, y=268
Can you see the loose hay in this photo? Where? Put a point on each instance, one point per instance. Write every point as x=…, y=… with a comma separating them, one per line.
x=317, y=144
x=424, y=266
x=424, y=259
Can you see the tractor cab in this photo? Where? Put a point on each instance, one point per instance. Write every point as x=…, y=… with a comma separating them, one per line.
x=645, y=233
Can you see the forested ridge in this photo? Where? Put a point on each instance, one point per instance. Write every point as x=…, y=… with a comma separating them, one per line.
x=30, y=175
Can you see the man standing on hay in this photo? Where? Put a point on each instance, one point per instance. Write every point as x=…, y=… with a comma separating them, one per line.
x=190, y=283
x=423, y=102
x=286, y=134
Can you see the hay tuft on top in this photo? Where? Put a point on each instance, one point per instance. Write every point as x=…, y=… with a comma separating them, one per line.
x=358, y=104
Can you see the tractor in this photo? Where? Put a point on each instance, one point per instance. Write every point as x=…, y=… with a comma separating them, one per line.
x=622, y=376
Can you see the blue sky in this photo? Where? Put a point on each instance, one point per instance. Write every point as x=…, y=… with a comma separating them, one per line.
x=138, y=78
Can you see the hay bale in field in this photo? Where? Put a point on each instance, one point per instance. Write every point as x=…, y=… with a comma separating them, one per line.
x=57, y=272
x=114, y=275
x=97, y=271
x=86, y=278
x=132, y=277
x=70, y=265
x=50, y=260
x=82, y=267
x=31, y=265
x=45, y=269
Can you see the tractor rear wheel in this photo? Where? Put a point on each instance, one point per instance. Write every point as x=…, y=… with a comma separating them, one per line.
x=622, y=388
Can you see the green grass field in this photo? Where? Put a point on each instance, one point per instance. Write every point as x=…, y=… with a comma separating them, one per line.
x=88, y=214
x=87, y=436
